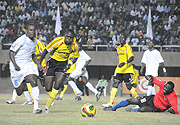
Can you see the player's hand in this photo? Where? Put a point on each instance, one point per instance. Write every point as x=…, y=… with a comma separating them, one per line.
x=17, y=68
x=4, y=66
x=41, y=68
x=67, y=67
x=149, y=78
x=171, y=110
x=121, y=64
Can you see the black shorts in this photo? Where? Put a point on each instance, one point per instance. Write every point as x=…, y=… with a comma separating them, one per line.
x=123, y=77
x=148, y=101
x=55, y=67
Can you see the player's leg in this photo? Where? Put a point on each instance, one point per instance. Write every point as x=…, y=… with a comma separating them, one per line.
x=75, y=74
x=27, y=95
x=59, y=78
x=13, y=99
x=32, y=79
x=128, y=79
x=84, y=78
x=118, y=78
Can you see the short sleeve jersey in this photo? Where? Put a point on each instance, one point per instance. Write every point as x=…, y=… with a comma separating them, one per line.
x=39, y=49
x=61, y=50
x=123, y=54
x=23, y=48
x=152, y=60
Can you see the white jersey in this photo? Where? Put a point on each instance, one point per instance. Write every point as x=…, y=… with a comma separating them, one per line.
x=152, y=60
x=81, y=61
x=23, y=47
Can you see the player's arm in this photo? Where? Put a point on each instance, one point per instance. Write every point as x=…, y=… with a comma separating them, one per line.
x=4, y=65
x=12, y=58
x=41, y=68
x=43, y=55
x=164, y=69
x=126, y=62
x=142, y=68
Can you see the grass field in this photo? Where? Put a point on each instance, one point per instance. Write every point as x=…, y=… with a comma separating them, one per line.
x=67, y=111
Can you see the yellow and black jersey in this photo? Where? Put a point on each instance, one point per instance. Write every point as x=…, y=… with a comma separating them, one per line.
x=123, y=54
x=39, y=49
x=60, y=50
x=135, y=76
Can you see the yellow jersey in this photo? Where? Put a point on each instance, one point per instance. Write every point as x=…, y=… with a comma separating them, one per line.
x=135, y=76
x=60, y=50
x=39, y=49
x=123, y=54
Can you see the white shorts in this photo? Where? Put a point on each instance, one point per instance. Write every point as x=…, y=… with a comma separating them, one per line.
x=17, y=77
x=79, y=72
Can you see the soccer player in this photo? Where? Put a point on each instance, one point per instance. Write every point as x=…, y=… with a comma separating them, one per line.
x=151, y=60
x=80, y=71
x=60, y=49
x=123, y=71
x=165, y=99
x=22, y=64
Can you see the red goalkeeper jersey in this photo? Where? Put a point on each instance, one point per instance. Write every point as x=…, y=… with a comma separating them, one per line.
x=162, y=101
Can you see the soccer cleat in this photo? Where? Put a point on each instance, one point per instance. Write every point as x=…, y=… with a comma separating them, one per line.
x=46, y=110
x=130, y=110
x=106, y=105
x=78, y=98
x=79, y=94
x=58, y=98
x=98, y=96
x=10, y=102
x=109, y=108
x=28, y=103
x=37, y=111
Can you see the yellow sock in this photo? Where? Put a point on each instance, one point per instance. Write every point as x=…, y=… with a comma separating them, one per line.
x=133, y=92
x=51, y=97
x=29, y=89
x=113, y=94
x=64, y=90
x=48, y=93
x=75, y=92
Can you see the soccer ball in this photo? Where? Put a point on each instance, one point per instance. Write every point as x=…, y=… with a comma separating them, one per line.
x=88, y=110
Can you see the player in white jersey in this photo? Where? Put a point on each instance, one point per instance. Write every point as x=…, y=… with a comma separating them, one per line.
x=151, y=59
x=22, y=67
x=80, y=71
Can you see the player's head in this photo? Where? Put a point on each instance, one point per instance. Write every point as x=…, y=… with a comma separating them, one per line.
x=69, y=37
x=123, y=39
x=151, y=44
x=30, y=29
x=168, y=88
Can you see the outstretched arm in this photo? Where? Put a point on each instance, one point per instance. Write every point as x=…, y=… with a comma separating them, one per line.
x=126, y=62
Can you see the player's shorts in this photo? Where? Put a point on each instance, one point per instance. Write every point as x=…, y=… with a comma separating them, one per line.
x=148, y=101
x=123, y=77
x=55, y=67
x=79, y=72
x=17, y=77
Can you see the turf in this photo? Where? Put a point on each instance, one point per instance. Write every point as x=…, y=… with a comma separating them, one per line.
x=67, y=111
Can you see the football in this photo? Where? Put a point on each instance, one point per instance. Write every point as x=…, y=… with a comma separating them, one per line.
x=88, y=110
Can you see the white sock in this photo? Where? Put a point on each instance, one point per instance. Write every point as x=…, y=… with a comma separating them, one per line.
x=149, y=90
x=74, y=86
x=14, y=95
x=27, y=95
x=35, y=94
x=153, y=91
x=89, y=85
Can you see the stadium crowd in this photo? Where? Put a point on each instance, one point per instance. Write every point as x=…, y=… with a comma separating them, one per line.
x=95, y=22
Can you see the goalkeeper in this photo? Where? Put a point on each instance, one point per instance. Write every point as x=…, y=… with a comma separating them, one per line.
x=165, y=99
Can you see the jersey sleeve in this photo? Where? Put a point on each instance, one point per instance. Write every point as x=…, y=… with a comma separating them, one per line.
x=143, y=60
x=159, y=57
x=158, y=82
x=54, y=44
x=17, y=45
x=173, y=101
x=129, y=52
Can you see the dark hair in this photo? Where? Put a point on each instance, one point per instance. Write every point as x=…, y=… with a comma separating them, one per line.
x=70, y=30
x=30, y=22
x=171, y=84
x=123, y=34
